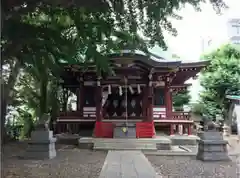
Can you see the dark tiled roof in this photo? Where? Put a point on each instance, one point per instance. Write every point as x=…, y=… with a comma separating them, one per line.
x=150, y=59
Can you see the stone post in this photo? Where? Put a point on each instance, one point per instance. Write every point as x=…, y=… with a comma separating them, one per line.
x=42, y=143
x=189, y=129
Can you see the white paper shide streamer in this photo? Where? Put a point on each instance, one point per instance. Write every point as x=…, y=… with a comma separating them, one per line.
x=109, y=90
x=120, y=90
x=139, y=89
x=131, y=89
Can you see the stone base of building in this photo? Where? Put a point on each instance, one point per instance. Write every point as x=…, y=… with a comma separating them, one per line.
x=41, y=146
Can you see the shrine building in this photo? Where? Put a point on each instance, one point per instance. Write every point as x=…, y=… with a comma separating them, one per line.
x=138, y=95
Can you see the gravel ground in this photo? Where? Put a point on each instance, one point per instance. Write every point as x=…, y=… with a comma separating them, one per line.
x=189, y=167
x=70, y=163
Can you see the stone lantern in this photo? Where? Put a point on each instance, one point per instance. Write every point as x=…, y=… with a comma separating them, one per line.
x=211, y=146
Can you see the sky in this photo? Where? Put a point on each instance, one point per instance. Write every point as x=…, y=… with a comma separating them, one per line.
x=196, y=26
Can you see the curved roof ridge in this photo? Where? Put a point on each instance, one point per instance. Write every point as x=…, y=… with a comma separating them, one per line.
x=153, y=56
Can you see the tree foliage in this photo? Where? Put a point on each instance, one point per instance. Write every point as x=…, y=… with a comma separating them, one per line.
x=221, y=78
x=39, y=34
x=180, y=99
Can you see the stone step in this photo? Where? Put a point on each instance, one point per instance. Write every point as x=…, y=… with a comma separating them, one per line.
x=124, y=145
x=139, y=147
x=134, y=140
x=184, y=140
x=162, y=143
x=117, y=147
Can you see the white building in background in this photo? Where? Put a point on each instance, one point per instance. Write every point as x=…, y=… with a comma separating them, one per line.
x=206, y=43
x=233, y=26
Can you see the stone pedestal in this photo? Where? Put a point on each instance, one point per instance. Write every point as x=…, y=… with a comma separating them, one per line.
x=41, y=145
x=212, y=147
x=130, y=131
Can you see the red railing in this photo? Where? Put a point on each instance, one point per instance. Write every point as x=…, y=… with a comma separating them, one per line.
x=88, y=113
x=70, y=113
x=179, y=115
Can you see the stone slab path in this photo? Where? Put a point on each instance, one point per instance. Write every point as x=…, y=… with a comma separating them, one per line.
x=127, y=164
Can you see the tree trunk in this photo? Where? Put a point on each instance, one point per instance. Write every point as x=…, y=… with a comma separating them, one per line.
x=6, y=95
x=3, y=120
x=43, y=97
x=54, y=104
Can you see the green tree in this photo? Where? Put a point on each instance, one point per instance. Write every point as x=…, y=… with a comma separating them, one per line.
x=180, y=99
x=55, y=30
x=221, y=78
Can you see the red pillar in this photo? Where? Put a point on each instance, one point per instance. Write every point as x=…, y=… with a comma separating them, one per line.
x=98, y=99
x=144, y=102
x=168, y=102
x=171, y=129
x=189, y=129
x=150, y=102
x=98, y=131
x=80, y=99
